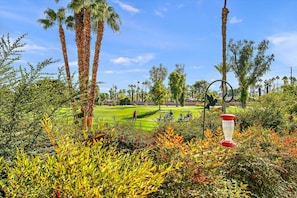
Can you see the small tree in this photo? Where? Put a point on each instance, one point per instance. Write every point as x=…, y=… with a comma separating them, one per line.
x=177, y=84
x=249, y=63
x=158, y=91
x=200, y=88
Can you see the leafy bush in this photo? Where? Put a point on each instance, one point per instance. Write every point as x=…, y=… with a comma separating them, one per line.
x=197, y=167
x=270, y=112
x=126, y=136
x=125, y=101
x=25, y=97
x=83, y=169
x=263, y=164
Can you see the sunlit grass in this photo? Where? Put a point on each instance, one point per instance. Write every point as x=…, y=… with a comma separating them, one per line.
x=147, y=116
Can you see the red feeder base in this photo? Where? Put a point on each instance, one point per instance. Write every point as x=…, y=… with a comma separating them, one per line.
x=228, y=143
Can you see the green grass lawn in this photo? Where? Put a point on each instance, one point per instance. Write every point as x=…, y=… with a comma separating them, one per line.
x=147, y=116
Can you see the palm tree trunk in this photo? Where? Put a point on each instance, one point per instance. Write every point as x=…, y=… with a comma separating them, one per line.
x=67, y=68
x=225, y=12
x=86, y=62
x=94, y=72
x=79, y=39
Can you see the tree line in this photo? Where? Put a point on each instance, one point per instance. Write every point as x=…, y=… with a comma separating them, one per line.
x=246, y=60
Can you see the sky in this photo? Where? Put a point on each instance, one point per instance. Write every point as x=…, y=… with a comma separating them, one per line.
x=166, y=32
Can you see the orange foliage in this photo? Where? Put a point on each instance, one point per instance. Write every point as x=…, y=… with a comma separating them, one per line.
x=290, y=143
x=200, y=157
x=170, y=140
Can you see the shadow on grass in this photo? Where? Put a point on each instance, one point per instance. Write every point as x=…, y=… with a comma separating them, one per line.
x=144, y=115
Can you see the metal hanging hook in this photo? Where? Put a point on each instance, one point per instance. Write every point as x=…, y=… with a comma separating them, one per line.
x=212, y=101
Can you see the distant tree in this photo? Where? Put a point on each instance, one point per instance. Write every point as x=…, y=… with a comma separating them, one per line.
x=158, y=93
x=190, y=91
x=293, y=80
x=102, y=97
x=132, y=91
x=158, y=73
x=259, y=87
x=158, y=90
x=249, y=63
x=266, y=85
x=200, y=88
x=145, y=84
x=177, y=84
x=286, y=80
x=220, y=68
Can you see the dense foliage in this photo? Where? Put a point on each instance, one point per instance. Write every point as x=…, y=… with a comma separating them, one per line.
x=28, y=95
x=83, y=169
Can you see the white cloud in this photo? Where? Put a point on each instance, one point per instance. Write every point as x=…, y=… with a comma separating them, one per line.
x=284, y=47
x=196, y=67
x=124, y=71
x=235, y=20
x=139, y=60
x=33, y=47
x=127, y=7
x=73, y=63
x=158, y=13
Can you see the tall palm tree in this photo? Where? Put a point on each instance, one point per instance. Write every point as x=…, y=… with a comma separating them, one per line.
x=88, y=15
x=101, y=13
x=285, y=79
x=59, y=18
x=82, y=16
x=225, y=12
x=259, y=87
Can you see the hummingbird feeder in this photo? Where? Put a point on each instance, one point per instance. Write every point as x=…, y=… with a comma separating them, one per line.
x=227, y=119
x=228, y=129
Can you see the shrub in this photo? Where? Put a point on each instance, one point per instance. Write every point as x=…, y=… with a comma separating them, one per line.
x=25, y=96
x=193, y=128
x=83, y=169
x=272, y=111
x=125, y=101
x=126, y=136
x=261, y=162
x=197, y=167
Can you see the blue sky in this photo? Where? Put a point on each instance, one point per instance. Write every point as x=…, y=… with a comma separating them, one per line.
x=166, y=32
